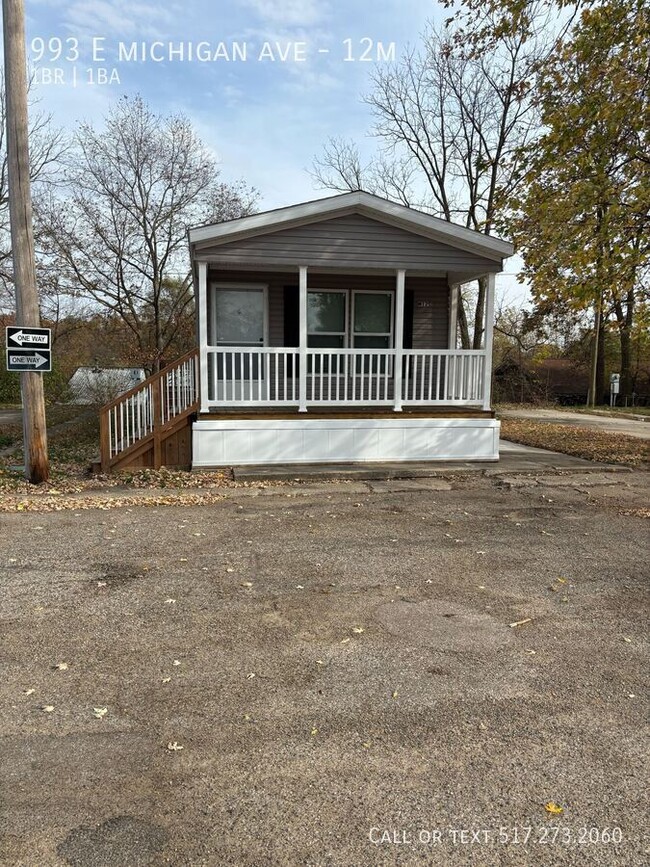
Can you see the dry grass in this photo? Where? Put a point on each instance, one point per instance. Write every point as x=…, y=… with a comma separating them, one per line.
x=588, y=443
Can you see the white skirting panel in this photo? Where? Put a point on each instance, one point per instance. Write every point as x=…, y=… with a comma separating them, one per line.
x=223, y=443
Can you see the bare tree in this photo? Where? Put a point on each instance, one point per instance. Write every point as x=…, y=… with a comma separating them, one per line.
x=450, y=125
x=47, y=147
x=119, y=238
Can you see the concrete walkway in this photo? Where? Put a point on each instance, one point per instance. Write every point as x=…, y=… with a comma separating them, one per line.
x=609, y=424
x=514, y=458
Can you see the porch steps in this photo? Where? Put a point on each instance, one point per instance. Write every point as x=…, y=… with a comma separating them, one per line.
x=151, y=425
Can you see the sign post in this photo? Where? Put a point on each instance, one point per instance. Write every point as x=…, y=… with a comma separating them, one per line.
x=37, y=467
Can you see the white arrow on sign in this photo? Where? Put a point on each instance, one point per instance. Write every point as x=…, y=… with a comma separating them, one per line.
x=36, y=360
x=21, y=338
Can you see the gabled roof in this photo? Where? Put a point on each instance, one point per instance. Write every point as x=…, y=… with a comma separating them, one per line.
x=366, y=204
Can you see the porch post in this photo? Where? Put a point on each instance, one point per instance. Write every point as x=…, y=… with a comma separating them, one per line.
x=452, y=342
x=399, y=339
x=202, y=313
x=302, y=319
x=489, y=340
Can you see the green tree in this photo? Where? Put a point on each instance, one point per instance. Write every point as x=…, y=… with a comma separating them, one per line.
x=582, y=223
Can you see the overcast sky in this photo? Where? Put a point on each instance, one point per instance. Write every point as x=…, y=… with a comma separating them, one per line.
x=265, y=119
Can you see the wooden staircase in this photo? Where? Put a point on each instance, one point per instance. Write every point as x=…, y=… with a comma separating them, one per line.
x=151, y=425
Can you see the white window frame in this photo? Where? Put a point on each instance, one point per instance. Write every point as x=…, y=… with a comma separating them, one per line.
x=349, y=333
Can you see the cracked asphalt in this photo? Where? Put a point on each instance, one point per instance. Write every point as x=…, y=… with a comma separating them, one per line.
x=329, y=675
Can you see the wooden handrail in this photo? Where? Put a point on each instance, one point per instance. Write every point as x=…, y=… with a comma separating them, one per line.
x=149, y=380
x=153, y=382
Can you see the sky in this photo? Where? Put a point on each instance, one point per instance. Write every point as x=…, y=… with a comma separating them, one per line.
x=283, y=76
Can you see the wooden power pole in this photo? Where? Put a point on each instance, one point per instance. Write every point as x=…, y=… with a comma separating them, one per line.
x=22, y=234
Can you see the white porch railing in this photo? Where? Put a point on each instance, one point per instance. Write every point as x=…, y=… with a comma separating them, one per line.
x=269, y=376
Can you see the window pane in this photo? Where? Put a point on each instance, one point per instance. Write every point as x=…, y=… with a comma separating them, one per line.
x=240, y=316
x=326, y=311
x=371, y=313
x=325, y=341
x=371, y=342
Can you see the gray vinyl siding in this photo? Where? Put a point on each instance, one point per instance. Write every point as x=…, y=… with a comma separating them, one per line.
x=353, y=241
x=430, y=323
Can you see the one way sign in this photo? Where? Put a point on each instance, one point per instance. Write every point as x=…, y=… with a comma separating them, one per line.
x=27, y=337
x=28, y=349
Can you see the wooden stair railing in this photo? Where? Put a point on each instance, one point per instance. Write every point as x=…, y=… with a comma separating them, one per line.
x=145, y=413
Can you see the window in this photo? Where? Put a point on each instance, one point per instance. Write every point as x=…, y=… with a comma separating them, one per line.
x=372, y=320
x=327, y=320
x=330, y=326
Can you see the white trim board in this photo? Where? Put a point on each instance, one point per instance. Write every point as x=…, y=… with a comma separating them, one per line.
x=240, y=442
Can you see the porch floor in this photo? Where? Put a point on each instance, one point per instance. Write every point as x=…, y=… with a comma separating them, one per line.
x=384, y=412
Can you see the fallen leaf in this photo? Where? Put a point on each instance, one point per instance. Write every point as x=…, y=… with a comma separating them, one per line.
x=101, y=583
x=61, y=666
x=358, y=629
x=250, y=676
x=48, y=708
x=319, y=662
x=299, y=587
x=247, y=584
x=532, y=652
x=29, y=691
x=174, y=747
x=520, y=622
x=345, y=641
x=395, y=694
x=166, y=679
x=176, y=662
x=100, y=712
x=366, y=745
x=629, y=640
x=170, y=601
x=554, y=809
x=314, y=732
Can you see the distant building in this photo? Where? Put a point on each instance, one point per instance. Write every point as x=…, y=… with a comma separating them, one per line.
x=95, y=385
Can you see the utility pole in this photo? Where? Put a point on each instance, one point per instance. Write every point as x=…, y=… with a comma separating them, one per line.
x=22, y=235
x=593, y=376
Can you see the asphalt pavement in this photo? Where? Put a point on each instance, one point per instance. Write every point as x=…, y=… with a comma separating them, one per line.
x=426, y=671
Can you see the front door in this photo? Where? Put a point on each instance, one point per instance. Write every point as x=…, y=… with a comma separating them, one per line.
x=240, y=322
